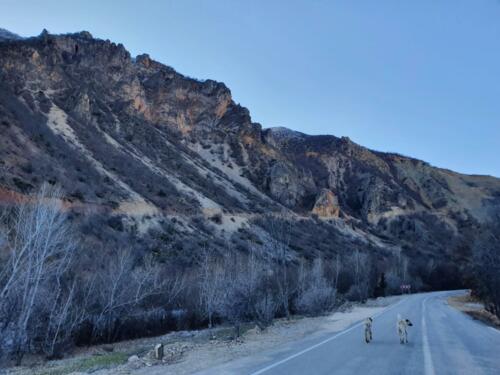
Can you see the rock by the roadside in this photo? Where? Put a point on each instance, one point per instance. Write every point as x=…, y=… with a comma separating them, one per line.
x=253, y=331
x=133, y=359
x=134, y=362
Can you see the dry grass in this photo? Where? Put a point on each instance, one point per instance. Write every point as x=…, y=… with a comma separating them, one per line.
x=86, y=364
x=474, y=308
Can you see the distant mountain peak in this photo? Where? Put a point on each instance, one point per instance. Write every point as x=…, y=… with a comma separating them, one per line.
x=8, y=35
x=279, y=134
x=284, y=132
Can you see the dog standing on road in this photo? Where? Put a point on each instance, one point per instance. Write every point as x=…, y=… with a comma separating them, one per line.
x=368, y=329
x=402, y=326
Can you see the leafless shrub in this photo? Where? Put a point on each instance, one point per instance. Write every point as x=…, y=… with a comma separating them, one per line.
x=51, y=294
x=393, y=281
x=235, y=300
x=46, y=297
x=398, y=274
x=359, y=266
x=249, y=290
x=315, y=294
x=486, y=261
x=211, y=285
x=261, y=287
x=278, y=247
x=36, y=300
x=126, y=289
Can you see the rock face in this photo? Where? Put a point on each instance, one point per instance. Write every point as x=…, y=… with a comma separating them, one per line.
x=327, y=204
x=287, y=185
x=149, y=157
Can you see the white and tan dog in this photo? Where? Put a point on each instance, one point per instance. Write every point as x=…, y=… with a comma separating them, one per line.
x=402, y=326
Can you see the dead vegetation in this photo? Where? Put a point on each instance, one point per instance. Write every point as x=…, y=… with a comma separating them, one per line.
x=474, y=307
x=59, y=293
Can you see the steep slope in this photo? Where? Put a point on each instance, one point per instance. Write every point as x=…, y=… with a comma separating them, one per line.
x=151, y=157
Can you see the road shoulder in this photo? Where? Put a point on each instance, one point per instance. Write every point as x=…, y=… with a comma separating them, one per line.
x=471, y=306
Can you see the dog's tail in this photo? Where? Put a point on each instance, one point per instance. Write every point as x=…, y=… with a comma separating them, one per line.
x=399, y=317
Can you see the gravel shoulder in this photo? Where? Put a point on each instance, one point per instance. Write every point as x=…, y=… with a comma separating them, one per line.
x=474, y=308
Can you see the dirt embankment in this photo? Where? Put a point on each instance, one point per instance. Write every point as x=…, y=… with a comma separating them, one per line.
x=474, y=308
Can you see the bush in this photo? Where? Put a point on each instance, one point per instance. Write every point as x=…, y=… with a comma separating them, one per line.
x=486, y=262
x=315, y=294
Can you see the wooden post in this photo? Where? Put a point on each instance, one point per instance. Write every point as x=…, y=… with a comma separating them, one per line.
x=159, y=352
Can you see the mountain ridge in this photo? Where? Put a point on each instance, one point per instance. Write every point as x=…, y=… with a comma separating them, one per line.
x=169, y=156
x=283, y=129
x=8, y=35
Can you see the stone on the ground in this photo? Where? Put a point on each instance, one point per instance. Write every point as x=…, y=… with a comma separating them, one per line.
x=133, y=358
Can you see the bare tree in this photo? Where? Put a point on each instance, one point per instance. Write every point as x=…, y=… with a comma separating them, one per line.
x=337, y=270
x=234, y=305
x=279, y=229
x=63, y=320
x=260, y=286
x=315, y=294
x=398, y=273
x=123, y=285
x=40, y=248
x=211, y=284
x=360, y=269
x=486, y=261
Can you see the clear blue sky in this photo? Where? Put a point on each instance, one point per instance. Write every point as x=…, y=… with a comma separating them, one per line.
x=418, y=77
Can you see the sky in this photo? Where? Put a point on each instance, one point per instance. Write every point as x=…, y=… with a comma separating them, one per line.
x=420, y=78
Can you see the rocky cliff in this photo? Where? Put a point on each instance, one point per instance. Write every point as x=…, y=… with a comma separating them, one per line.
x=168, y=163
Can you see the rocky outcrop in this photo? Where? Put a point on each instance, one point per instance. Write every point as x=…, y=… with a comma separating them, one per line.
x=287, y=185
x=326, y=205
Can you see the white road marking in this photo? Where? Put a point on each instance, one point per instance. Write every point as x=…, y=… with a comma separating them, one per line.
x=428, y=366
x=261, y=371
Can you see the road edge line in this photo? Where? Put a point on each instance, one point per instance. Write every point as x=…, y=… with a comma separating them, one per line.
x=428, y=366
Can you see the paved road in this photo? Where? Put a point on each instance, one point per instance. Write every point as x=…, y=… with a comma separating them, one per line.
x=442, y=341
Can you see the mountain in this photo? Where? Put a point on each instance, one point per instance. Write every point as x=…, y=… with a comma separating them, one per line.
x=7, y=35
x=156, y=160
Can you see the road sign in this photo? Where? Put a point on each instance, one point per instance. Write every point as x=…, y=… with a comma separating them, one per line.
x=405, y=288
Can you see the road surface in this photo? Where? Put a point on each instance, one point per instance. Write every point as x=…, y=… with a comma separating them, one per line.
x=442, y=341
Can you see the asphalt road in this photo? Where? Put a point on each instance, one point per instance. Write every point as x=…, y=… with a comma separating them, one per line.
x=441, y=341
